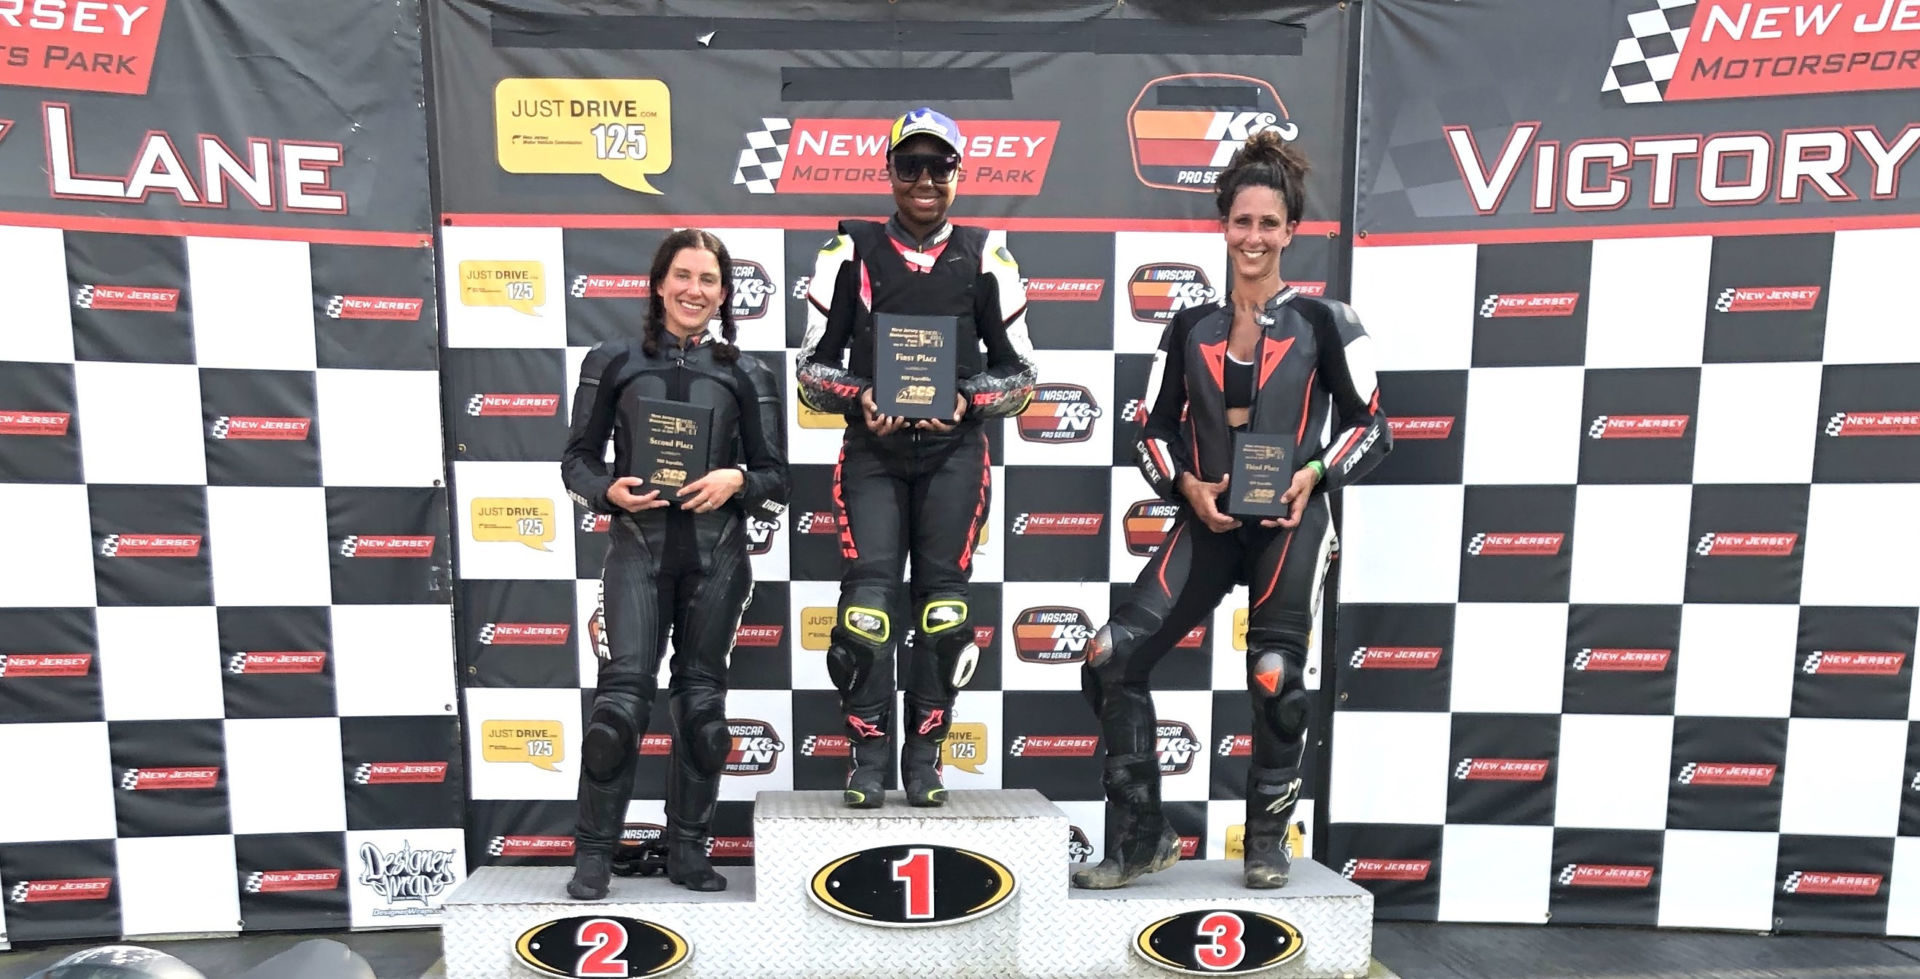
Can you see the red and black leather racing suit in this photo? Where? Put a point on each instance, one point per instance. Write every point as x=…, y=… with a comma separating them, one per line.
x=668, y=572
x=915, y=492
x=1312, y=376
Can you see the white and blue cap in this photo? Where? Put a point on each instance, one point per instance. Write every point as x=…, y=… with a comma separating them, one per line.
x=925, y=121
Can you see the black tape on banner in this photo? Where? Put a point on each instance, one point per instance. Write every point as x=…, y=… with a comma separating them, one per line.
x=911, y=84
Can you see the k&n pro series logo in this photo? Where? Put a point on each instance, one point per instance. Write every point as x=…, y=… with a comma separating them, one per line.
x=752, y=288
x=1052, y=634
x=756, y=748
x=1059, y=413
x=1147, y=524
x=1177, y=746
x=1183, y=129
x=1158, y=291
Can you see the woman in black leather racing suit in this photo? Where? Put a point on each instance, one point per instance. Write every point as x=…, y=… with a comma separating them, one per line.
x=1270, y=361
x=678, y=559
x=921, y=485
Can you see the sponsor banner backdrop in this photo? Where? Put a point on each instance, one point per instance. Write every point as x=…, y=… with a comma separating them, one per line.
x=572, y=140
x=1643, y=557
x=226, y=655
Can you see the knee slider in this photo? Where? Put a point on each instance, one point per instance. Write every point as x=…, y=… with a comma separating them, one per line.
x=944, y=621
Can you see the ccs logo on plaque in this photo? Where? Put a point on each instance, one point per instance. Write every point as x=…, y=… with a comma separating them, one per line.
x=617, y=948
x=619, y=128
x=913, y=886
x=1209, y=942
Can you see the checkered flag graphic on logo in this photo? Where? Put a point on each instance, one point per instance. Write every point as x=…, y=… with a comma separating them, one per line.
x=800, y=286
x=350, y=545
x=1686, y=772
x=1580, y=659
x=1705, y=546
x=19, y=893
x=83, y=297
x=497, y=846
x=1792, y=883
x=804, y=524
x=1020, y=524
x=1460, y=771
x=579, y=287
x=1598, y=428
x=474, y=403
x=110, y=546
x=3, y=665
x=1812, y=663
x=253, y=881
x=1915, y=784
x=1644, y=61
x=806, y=745
x=1359, y=657
x=1018, y=747
x=1479, y=541
x=1488, y=305
x=335, y=305
x=237, y=663
x=1836, y=423
x=221, y=425
x=1725, y=301
x=1349, y=867
x=1567, y=872
x=363, y=775
x=486, y=633
x=765, y=157
x=130, y=780
x=1226, y=745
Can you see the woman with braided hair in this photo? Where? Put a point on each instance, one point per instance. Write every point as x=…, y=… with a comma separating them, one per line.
x=677, y=563
x=1268, y=361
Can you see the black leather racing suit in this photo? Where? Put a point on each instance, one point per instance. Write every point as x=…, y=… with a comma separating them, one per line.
x=1312, y=375
x=915, y=488
x=669, y=571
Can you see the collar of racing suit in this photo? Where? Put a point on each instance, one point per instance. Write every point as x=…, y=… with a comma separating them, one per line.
x=898, y=232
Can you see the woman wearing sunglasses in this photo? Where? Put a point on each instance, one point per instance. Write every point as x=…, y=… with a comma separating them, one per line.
x=919, y=484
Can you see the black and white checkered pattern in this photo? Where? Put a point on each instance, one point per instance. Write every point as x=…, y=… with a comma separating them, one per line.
x=765, y=157
x=203, y=687
x=1637, y=588
x=1644, y=61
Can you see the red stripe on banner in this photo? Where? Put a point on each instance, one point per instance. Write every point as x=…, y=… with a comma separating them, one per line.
x=1759, y=226
x=814, y=222
x=206, y=229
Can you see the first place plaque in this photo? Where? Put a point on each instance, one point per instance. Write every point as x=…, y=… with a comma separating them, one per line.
x=672, y=448
x=913, y=365
x=1261, y=470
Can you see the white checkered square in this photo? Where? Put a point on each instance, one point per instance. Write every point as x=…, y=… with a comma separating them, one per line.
x=270, y=545
x=1416, y=304
x=1736, y=660
x=177, y=885
x=1862, y=545
x=379, y=427
x=160, y=663
x=1508, y=658
x=1537, y=445
x=492, y=546
x=477, y=313
x=1871, y=315
x=554, y=772
x=142, y=423
x=274, y=775
x=59, y=784
x=1511, y=871
x=1390, y=767
x=39, y=321
x=252, y=303
x=47, y=561
x=1401, y=543
x=1647, y=302
x=1612, y=771
x=1644, y=62
x=1630, y=544
x=1755, y=423
x=1843, y=777
x=1714, y=879
x=393, y=660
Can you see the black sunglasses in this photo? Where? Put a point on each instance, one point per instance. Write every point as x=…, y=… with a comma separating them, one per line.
x=940, y=166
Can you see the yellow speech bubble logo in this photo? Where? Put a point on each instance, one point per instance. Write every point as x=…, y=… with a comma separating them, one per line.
x=529, y=521
x=1240, y=629
x=1236, y=841
x=542, y=744
x=619, y=128
x=966, y=746
x=809, y=418
x=816, y=627
x=519, y=286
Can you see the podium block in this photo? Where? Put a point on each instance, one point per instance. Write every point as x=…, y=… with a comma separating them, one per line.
x=977, y=888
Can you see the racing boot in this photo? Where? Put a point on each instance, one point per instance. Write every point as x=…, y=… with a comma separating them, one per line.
x=691, y=797
x=592, y=872
x=1271, y=796
x=869, y=750
x=1139, y=839
x=926, y=737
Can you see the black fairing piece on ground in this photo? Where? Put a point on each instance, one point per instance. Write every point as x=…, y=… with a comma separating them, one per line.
x=316, y=959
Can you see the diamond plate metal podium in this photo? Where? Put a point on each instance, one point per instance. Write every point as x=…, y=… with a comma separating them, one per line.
x=768, y=925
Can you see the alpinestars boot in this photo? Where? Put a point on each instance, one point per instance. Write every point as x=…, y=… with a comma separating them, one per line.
x=1139, y=840
x=1271, y=796
x=869, y=750
x=926, y=737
